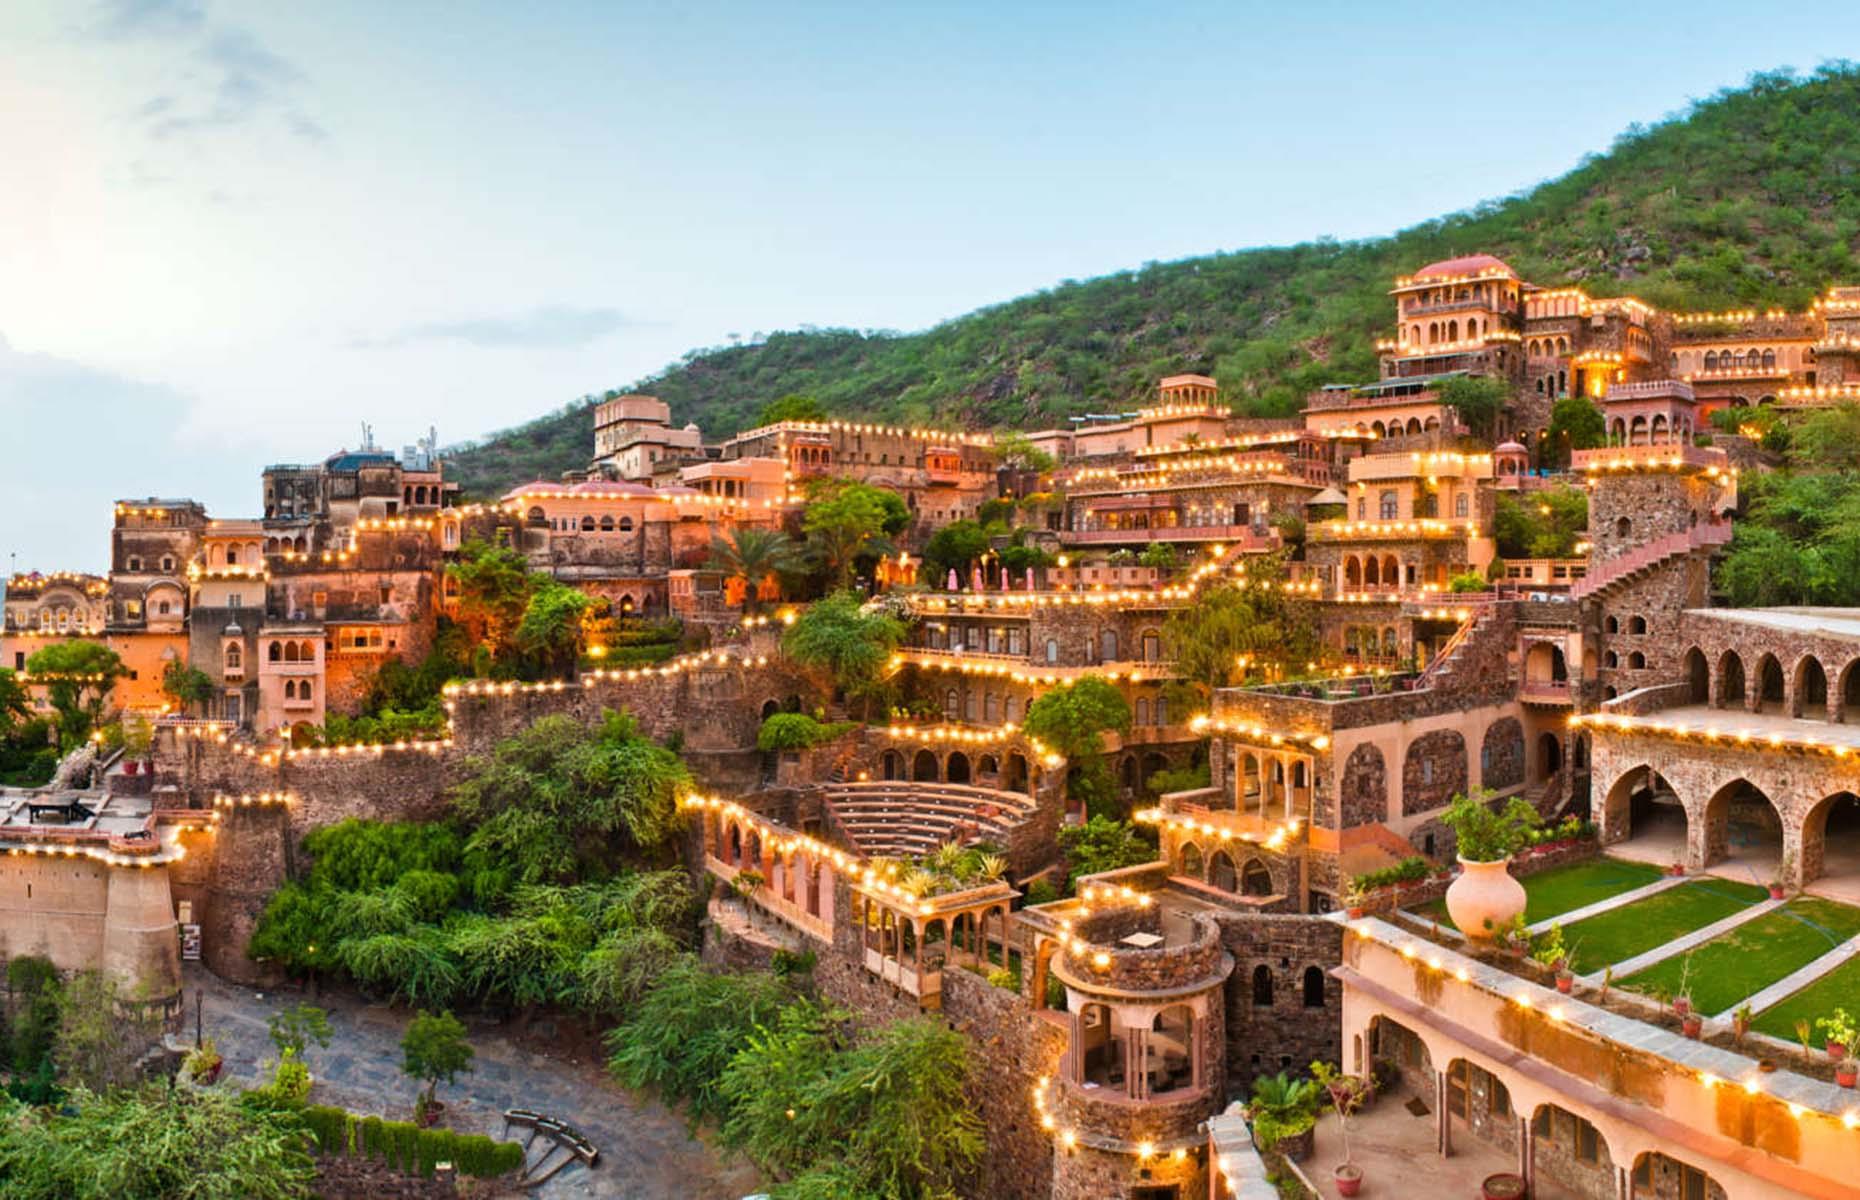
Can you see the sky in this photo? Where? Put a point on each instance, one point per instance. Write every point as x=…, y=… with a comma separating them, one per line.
x=231, y=233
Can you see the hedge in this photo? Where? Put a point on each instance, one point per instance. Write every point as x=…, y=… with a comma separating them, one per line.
x=407, y=1147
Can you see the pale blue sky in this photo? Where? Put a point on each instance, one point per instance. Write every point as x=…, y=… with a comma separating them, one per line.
x=231, y=232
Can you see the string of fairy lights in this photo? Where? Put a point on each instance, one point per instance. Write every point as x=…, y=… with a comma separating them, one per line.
x=1711, y=733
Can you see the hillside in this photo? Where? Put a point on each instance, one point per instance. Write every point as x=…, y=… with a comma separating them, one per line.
x=1748, y=199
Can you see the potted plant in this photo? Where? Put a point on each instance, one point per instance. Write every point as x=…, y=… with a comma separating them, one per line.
x=1514, y=937
x=1354, y=901
x=1847, y=1072
x=434, y=1051
x=203, y=1063
x=1550, y=950
x=1840, y=1032
x=138, y=739
x=1682, y=995
x=1740, y=1021
x=1803, y=1034
x=1485, y=897
x=1284, y=1114
x=1346, y=1093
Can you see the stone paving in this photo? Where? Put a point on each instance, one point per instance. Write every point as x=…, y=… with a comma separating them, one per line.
x=647, y=1152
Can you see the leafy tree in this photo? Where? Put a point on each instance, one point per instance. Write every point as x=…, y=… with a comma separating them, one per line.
x=550, y=632
x=15, y=704
x=1074, y=717
x=793, y=407
x=1250, y=628
x=494, y=586
x=154, y=1143
x=189, y=687
x=752, y=555
x=296, y=1027
x=1478, y=399
x=1469, y=581
x=796, y=731
x=1104, y=844
x=1017, y=451
x=1828, y=439
x=955, y=546
x=78, y=676
x=1160, y=555
x=1541, y=524
x=1575, y=424
x=846, y=520
x=1020, y=558
x=850, y=643
x=684, y=1032
x=37, y=1004
x=434, y=1051
x=101, y=1032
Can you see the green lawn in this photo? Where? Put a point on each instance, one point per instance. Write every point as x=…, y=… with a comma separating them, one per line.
x=1564, y=889
x=1756, y=954
x=1639, y=927
x=1839, y=988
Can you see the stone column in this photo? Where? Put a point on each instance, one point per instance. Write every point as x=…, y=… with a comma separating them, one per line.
x=1445, y=1130
x=141, y=942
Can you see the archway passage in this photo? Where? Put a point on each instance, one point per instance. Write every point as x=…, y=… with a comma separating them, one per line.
x=1742, y=834
x=1221, y=872
x=1831, y=848
x=923, y=767
x=1549, y=755
x=1643, y=818
x=1698, y=677
x=957, y=768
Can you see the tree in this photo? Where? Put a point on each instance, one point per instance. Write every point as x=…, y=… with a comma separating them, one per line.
x=15, y=703
x=795, y=406
x=1478, y=399
x=78, y=676
x=494, y=586
x=551, y=629
x=189, y=687
x=845, y=520
x=1016, y=451
x=1160, y=555
x=296, y=1027
x=434, y=1051
x=955, y=547
x=155, y=1143
x=101, y=1032
x=752, y=555
x=1575, y=424
x=1829, y=439
x=683, y=1034
x=1074, y=717
x=1541, y=524
x=1103, y=844
x=852, y=644
x=1245, y=629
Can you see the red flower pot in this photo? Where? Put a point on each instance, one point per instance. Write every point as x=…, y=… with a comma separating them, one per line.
x=1693, y=1025
x=1565, y=983
x=1682, y=1005
x=1847, y=1074
x=1776, y=891
x=1349, y=1179
x=1837, y=1050
x=131, y=767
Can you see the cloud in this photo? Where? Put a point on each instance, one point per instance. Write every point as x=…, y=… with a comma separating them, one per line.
x=149, y=18
x=549, y=327
x=230, y=76
x=129, y=442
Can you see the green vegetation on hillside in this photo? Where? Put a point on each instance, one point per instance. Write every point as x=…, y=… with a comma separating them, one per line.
x=1745, y=200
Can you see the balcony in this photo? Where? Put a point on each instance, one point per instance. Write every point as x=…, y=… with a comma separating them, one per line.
x=1241, y=537
x=1545, y=691
x=1421, y=530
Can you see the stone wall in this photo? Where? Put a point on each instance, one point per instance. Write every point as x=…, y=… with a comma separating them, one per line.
x=1263, y=1039
x=1015, y=1048
x=1502, y=757
x=1433, y=772
x=1364, y=793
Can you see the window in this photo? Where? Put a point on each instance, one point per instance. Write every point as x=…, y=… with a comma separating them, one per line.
x=1052, y=650
x=135, y=563
x=1461, y=505
x=235, y=600
x=1314, y=987
x=1389, y=506
x=1262, y=986
x=1588, y=1143
x=235, y=658
x=167, y=563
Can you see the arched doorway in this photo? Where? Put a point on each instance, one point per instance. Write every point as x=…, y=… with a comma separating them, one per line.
x=1643, y=818
x=1255, y=879
x=923, y=767
x=1221, y=872
x=956, y=769
x=1731, y=680
x=1015, y=777
x=1810, y=701
x=1698, y=677
x=1743, y=832
x=1549, y=755
x=1831, y=847
x=1770, y=694
x=893, y=765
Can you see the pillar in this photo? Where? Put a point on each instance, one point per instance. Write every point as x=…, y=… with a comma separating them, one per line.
x=141, y=942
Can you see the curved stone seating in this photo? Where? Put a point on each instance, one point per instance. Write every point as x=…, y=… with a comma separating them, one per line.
x=899, y=818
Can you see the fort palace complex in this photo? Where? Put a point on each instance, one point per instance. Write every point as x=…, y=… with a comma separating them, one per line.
x=1292, y=912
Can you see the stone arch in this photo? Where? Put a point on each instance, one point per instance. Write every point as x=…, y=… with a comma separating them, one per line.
x=956, y=768
x=1152, y=763
x=892, y=766
x=1808, y=697
x=1189, y=861
x=1255, y=878
x=1771, y=689
x=1221, y=871
x=1549, y=755
x=1830, y=842
x=1433, y=771
x=923, y=767
x=1364, y=794
x=987, y=765
x=1640, y=802
x=1352, y=572
x=1313, y=987
x=1015, y=778
x=1571, y=1150
x=1740, y=821
x=1501, y=754
x=1698, y=677
x=1654, y=1174
x=1544, y=662
x=1262, y=986
x=1730, y=680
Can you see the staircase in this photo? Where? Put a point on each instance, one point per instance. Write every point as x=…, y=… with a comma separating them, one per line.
x=900, y=818
x=1606, y=576
x=1444, y=665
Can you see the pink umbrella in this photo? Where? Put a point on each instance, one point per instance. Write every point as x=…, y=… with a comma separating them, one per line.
x=951, y=586
x=975, y=577
x=1030, y=579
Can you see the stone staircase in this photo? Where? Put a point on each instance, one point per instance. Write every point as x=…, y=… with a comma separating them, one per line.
x=1448, y=665
x=1606, y=576
x=900, y=818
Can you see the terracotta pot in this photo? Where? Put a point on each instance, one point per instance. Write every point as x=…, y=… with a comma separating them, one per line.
x=1484, y=898
x=131, y=767
x=1693, y=1025
x=1776, y=891
x=1503, y=1186
x=1355, y=913
x=1847, y=1074
x=1740, y=1025
x=1349, y=1179
x=1565, y=982
x=1837, y=1050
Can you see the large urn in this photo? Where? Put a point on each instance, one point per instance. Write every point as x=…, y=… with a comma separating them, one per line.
x=1484, y=898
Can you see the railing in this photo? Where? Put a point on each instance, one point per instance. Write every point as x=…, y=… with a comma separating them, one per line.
x=1657, y=454
x=1683, y=542
x=1544, y=691
x=1241, y=537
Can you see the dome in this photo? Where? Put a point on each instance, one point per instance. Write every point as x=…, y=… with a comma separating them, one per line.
x=692, y=427
x=1471, y=264
x=1510, y=448
x=1329, y=495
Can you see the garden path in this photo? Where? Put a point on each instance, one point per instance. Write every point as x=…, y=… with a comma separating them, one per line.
x=646, y=1151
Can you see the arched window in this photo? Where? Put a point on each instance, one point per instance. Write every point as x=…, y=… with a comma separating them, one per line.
x=587, y=524
x=235, y=658
x=607, y=523
x=1388, y=506
x=1262, y=986
x=1052, y=650
x=1314, y=987
x=626, y=524
x=1107, y=646
x=276, y=653
x=290, y=652
x=1623, y=527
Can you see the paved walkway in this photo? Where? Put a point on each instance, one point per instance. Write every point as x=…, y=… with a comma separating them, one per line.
x=1796, y=980
x=1602, y=906
x=1680, y=945
x=647, y=1152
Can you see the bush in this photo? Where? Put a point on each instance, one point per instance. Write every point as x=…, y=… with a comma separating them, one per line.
x=796, y=731
x=1408, y=870
x=1040, y=891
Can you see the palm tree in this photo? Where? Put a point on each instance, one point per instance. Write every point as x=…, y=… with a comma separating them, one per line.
x=752, y=555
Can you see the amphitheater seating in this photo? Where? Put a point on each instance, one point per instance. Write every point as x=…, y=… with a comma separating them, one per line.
x=900, y=818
